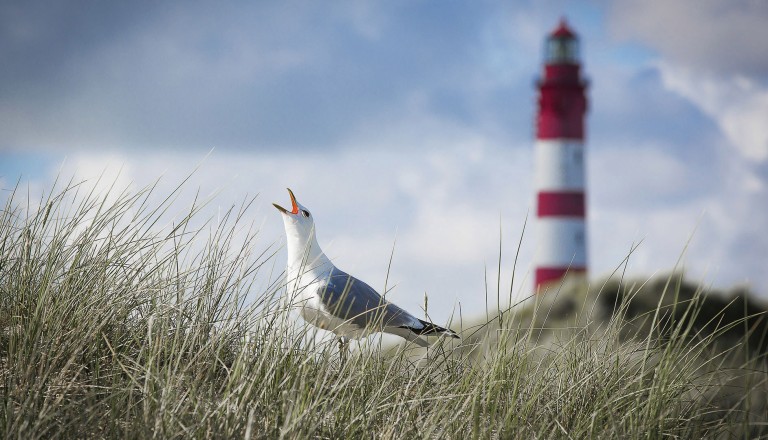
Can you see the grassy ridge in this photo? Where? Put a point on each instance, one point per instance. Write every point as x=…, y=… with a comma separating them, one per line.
x=115, y=323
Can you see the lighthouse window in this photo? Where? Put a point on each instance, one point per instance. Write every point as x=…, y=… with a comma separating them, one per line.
x=562, y=50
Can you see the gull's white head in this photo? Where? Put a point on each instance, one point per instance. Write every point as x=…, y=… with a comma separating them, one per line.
x=299, y=229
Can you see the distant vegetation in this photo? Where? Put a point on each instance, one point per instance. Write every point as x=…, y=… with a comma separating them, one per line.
x=116, y=322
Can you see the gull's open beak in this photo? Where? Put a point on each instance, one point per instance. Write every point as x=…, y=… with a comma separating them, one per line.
x=295, y=209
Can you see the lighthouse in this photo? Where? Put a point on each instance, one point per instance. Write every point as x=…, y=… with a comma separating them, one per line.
x=559, y=155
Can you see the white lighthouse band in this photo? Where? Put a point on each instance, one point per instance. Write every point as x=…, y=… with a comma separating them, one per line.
x=562, y=243
x=559, y=165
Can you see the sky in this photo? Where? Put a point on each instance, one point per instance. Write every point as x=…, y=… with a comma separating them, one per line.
x=408, y=125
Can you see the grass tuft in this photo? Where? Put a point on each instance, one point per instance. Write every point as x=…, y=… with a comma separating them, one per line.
x=119, y=320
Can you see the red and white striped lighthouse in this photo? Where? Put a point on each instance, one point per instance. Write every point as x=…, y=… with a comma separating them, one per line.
x=560, y=186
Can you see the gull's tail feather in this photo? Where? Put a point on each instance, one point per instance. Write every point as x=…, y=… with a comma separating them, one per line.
x=430, y=329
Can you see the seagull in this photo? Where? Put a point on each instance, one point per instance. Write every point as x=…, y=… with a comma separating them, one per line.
x=333, y=300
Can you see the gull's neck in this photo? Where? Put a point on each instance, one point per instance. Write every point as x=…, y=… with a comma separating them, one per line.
x=305, y=254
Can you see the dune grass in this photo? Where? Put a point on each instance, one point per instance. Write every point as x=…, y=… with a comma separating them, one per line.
x=121, y=320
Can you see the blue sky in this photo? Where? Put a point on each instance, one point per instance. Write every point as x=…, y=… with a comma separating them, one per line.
x=408, y=121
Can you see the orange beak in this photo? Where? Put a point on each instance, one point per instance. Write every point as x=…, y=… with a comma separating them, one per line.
x=295, y=209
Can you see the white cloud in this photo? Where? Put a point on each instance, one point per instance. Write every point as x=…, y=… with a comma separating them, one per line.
x=738, y=105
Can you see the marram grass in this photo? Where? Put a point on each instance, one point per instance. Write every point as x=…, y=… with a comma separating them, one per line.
x=118, y=320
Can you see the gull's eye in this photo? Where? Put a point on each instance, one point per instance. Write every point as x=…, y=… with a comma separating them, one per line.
x=305, y=213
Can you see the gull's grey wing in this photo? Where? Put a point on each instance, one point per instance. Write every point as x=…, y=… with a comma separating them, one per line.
x=350, y=299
